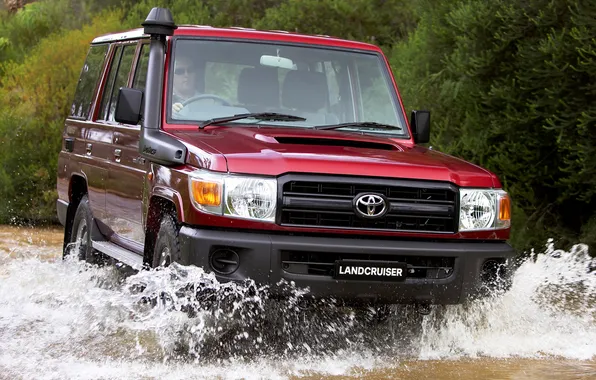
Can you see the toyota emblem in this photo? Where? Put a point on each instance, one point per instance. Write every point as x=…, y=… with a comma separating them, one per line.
x=370, y=205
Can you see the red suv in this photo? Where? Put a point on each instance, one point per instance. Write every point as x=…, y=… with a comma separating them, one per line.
x=271, y=156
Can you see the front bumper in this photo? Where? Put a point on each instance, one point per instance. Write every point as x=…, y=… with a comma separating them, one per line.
x=264, y=259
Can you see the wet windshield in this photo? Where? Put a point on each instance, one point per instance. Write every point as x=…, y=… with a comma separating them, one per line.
x=325, y=86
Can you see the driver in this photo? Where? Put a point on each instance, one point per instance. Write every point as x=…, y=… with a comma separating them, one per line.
x=185, y=81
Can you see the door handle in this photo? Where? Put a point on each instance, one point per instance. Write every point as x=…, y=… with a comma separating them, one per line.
x=89, y=146
x=118, y=154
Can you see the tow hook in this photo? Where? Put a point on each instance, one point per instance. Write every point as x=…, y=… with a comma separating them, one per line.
x=424, y=309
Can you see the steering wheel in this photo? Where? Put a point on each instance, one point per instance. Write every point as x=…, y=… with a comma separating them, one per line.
x=196, y=98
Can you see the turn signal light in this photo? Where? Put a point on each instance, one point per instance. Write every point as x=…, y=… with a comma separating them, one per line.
x=206, y=193
x=505, y=208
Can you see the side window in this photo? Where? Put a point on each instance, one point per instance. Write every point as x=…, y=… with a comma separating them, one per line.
x=105, y=100
x=140, y=80
x=119, y=73
x=88, y=81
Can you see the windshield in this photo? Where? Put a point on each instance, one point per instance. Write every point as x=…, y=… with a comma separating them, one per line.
x=213, y=79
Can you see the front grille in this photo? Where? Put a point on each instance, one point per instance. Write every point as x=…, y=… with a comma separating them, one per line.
x=323, y=263
x=324, y=202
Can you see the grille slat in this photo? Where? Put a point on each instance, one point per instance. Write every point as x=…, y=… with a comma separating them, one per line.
x=415, y=206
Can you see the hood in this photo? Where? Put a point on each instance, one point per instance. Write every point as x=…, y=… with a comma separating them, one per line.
x=276, y=151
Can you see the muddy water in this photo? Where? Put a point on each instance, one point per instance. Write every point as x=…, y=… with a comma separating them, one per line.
x=63, y=319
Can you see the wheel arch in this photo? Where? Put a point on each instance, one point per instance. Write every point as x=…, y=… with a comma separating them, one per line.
x=77, y=188
x=159, y=205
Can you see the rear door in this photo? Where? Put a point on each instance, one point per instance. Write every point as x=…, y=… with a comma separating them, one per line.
x=129, y=168
x=93, y=156
x=73, y=159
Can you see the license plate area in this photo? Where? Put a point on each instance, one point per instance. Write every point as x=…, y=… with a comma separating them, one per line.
x=370, y=270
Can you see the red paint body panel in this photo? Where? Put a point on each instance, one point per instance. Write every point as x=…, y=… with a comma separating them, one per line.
x=255, y=150
x=261, y=35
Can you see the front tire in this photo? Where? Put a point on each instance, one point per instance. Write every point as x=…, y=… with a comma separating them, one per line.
x=167, y=243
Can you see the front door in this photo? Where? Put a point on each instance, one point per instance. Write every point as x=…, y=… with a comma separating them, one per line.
x=126, y=177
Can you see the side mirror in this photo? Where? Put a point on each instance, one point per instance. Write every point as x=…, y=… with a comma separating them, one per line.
x=420, y=123
x=129, y=106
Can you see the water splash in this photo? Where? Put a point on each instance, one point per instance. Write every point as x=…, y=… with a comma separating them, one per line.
x=550, y=310
x=74, y=319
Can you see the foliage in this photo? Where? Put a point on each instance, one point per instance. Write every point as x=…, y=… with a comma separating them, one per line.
x=376, y=21
x=25, y=29
x=219, y=13
x=28, y=26
x=513, y=88
x=511, y=85
x=35, y=97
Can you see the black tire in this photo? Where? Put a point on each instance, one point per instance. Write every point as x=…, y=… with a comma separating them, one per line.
x=80, y=235
x=167, y=243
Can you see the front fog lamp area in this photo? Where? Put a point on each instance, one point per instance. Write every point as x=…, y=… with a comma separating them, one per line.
x=235, y=196
x=484, y=210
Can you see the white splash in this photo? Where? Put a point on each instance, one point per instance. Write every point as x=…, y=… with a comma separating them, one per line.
x=550, y=310
x=65, y=319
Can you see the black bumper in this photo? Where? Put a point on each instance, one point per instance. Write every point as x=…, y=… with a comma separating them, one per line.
x=263, y=258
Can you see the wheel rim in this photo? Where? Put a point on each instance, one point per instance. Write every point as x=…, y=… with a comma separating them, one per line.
x=165, y=257
x=81, y=239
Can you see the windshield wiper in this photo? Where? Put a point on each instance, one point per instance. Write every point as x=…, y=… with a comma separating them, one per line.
x=358, y=124
x=270, y=116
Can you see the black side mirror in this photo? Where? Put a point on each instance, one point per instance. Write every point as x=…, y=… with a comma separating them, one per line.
x=129, y=106
x=420, y=123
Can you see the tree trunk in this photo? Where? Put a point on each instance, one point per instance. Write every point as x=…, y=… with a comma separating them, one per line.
x=14, y=5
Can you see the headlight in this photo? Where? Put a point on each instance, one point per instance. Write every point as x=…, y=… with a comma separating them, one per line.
x=234, y=195
x=483, y=209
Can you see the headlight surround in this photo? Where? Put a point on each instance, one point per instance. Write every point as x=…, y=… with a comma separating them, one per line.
x=484, y=209
x=236, y=196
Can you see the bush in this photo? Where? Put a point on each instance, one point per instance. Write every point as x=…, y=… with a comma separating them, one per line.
x=382, y=22
x=219, y=13
x=512, y=87
x=35, y=96
x=20, y=32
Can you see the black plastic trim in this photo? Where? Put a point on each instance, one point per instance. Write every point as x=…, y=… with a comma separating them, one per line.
x=260, y=259
x=154, y=144
x=61, y=210
x=339, y=203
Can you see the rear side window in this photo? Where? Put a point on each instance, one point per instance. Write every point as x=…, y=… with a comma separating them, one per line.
x=88, y=81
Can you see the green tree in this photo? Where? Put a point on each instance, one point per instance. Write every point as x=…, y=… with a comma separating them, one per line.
x=382, y=22
x=512, y=87
x=35, y=96
x=219, y=13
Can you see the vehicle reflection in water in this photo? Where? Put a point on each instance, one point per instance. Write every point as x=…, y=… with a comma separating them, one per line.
x=74, y=320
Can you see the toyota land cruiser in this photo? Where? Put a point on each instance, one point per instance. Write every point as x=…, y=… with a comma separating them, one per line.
x=271, y=156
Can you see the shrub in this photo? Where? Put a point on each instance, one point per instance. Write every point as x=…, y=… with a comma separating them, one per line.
x=512, y=87
x=35, y=96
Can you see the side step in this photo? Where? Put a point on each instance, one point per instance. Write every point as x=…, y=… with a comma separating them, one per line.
x=123, y=255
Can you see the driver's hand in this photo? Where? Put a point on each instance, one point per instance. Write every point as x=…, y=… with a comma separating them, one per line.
x=176, y=107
